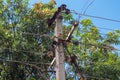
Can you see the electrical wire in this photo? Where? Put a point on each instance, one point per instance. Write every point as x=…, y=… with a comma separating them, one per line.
x=106, y=28
x=3, y=59
x=82, y=11
x=88, y=6
x=45, y=35
x=16, y=50
x=74, y=42
x=96, y=27
x=108, y=47
x=40, y=35
x=113, y=20
x=32, y=64
x=97, y=78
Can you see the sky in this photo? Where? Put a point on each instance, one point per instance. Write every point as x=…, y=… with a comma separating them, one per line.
x=102, y=8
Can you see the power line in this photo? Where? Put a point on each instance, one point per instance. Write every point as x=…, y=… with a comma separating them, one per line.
x=100, y=78
x=40, y=35
x=105, y=46
x=14, y=50
x=28, y=64
x=106, y=28
x=22, y=62
x=45, y=35
x=79, y=16
x=83, y=12
x=3, y=59
x=99, y=28
x=113, y=20
x=84, y=6
x=88, y=6
x=74, y=42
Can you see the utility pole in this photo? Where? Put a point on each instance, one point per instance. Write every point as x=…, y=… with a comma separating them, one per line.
x=60, y=67
x=58, y=42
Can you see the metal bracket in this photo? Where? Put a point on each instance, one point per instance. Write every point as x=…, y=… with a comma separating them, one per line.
x=60, y=9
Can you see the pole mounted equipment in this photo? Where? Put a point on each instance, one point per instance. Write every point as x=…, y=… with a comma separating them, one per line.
x=59, y=10
x=75, y=24
x=59, y=41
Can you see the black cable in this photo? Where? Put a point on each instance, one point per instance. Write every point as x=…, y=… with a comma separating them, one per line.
x=73, y=11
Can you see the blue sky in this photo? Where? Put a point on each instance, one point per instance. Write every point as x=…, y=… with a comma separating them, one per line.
x=102, y=8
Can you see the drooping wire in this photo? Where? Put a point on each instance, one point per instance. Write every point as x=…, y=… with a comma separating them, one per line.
x=105, y=28
x=85, y=8
x=32, y=64
x=98, y=17
x=88, y=6
x=100, y=46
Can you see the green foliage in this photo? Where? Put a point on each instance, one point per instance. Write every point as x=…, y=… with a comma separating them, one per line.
x=25, y=49
x=113, y=37
x=96, y=55
x=18, y=42
x=86, y=22
x=67, y=17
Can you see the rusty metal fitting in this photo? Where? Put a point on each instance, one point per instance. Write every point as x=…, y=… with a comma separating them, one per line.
x=67, y=11
x=75, y=23
x=63, y=7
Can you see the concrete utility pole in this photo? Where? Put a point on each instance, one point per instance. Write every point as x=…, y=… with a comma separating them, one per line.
x=58, y=42
x=60, y=67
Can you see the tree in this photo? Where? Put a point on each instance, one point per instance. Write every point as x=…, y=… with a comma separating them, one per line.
x=96, y=57
x=26, y=47
x=24, y=40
